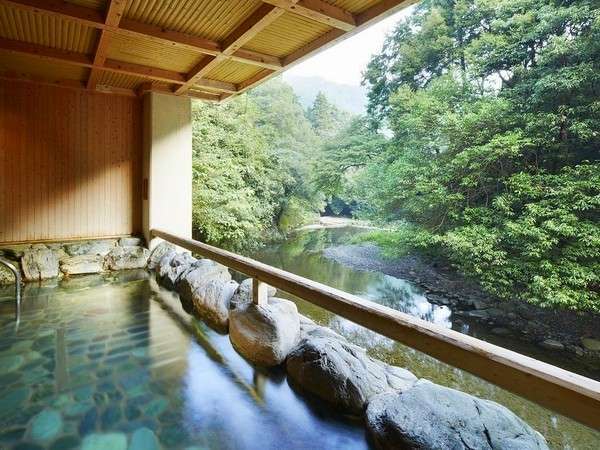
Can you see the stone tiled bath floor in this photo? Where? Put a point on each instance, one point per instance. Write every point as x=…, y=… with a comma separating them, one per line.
x=104, y=362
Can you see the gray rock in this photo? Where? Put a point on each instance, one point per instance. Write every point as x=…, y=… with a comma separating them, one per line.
x=172, y=267
x=265, y=334
x=244, y=293
x=500, y=331
x=131, y=241
x=121, y=258
x=551, y=344
x=159, y=252
x=96, y=247
x=342, y=373
x=200, y=272
x=211, y=302
x=481, y=314
x=429, y=416
x=75, y=265
x=591, y=344
x=6, y=275
x=309, y=328
x=39, y=263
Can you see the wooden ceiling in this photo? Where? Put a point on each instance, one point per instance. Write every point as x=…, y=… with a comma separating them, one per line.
x=208, y=49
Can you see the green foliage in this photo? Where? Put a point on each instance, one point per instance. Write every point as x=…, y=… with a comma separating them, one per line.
x=494, y=108
x=252, y=168
x=325, y=118
x=236, y=181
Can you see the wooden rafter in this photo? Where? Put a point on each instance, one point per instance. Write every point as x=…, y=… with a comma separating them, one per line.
x=92, y=18
x=110, y=65
x=343, y=23
x=249, y=28
x=114, y=13
x=319, y=11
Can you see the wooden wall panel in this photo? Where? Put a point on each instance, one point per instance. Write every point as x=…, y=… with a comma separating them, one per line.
x=70, y=163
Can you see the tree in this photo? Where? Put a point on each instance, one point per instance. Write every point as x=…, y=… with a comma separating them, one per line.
x=325, y=117
x=494, y=110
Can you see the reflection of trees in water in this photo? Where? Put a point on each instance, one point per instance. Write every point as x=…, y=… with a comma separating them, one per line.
x=401, y=296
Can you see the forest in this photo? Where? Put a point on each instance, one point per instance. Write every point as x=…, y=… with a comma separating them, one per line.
x=480, y=146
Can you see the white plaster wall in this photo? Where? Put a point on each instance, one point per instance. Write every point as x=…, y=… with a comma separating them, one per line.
x=167, y=164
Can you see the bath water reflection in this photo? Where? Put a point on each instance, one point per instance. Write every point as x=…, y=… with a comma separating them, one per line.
x=302, y=254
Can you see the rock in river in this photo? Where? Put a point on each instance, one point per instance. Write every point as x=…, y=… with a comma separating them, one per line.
x=342, y=373
x=429, y=416
x=265, y=334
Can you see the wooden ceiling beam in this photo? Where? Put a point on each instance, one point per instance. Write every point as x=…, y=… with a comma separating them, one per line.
x=110, y=65
x=92, y=18
x=76, y=13
x=262, y=17
x=114, y=13
x=71, y=84
x=319, y=11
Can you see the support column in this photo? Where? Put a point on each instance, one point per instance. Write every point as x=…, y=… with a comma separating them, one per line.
x=167, y=188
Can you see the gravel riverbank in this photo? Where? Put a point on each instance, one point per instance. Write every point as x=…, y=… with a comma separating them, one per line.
x=574, y=334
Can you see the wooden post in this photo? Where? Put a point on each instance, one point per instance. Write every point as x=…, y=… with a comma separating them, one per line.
x=259, y=292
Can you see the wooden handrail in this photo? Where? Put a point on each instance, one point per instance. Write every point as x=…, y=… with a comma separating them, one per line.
x=567, y=393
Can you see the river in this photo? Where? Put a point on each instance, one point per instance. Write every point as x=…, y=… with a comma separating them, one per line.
x=304, y=254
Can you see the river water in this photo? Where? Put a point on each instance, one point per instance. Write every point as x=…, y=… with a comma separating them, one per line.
x=302, y=254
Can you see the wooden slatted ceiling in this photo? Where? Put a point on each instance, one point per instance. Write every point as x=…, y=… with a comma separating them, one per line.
x=212, y=19
x=192, y=45
x=151, y=53
x=233, y=72
x=21, y=66
x=49, y=31
x=278, y=40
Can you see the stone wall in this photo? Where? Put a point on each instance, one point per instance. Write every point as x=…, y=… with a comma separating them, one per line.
x=56, y=260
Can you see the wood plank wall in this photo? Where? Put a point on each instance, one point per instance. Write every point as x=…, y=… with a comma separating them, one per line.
x=70, y=163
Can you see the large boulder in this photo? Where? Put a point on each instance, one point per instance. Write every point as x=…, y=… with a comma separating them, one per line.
x=172, y=267
x=429, y=416
x=75, y=265
x=265, y=334
x=121, y=258
x=211, y=302
x=342, y=373
x=200, y=272
x=158, y=252
x=39, y=263
x=95, y=247
x=244, y=293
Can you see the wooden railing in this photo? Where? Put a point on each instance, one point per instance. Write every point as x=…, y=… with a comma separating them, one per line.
x=567, y=393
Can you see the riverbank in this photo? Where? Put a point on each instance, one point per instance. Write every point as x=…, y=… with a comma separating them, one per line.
x=571, y=333
x=337, y=222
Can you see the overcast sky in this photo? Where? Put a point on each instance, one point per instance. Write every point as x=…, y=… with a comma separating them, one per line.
x=345, y=62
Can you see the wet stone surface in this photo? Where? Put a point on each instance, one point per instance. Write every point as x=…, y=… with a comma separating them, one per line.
x=103, y=364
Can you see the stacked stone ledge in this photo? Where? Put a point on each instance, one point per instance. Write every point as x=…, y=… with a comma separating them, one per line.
x=400, y=410
x=56, y=260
